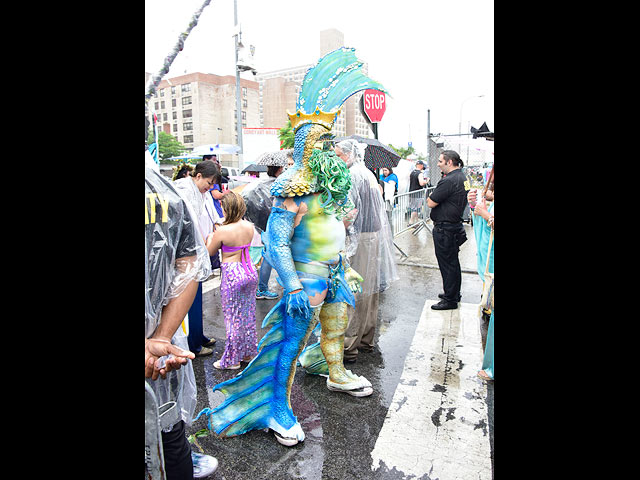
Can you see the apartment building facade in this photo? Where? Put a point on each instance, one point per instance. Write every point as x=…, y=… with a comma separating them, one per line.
x=200, y=108
x=279, y=91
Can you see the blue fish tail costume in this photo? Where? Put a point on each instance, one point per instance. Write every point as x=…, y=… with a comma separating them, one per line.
x=259, y=397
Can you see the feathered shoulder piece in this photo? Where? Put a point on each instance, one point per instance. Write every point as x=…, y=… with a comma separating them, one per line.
x=326, y=86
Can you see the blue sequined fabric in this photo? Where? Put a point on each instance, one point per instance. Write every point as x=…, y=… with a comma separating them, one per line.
x=238, y=299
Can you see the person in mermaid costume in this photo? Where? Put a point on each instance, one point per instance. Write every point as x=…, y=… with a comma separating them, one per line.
x=304, y=241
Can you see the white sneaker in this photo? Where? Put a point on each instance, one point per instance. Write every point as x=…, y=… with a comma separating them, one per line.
x=203, y=465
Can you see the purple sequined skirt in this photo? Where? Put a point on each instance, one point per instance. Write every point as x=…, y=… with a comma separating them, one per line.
x=238, y=298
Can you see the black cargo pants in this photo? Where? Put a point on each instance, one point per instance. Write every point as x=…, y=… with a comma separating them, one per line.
x=177, y=453
x=447, y=238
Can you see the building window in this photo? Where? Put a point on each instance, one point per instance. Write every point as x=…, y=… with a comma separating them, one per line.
x=162, y=92
x=186, y=100
x=155, y=105
x=186, y=114
x=244, y=103
x=162, y=104
x=187, y=126
x=175, y=127
x=185, y=88
x=173, y=89
x=244, y=92
x=175, y=115
x=173, y=102
x=188, y=139
x=164, y=117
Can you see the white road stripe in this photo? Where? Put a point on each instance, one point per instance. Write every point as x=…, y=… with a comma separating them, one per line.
x=210, y=284
x=437, y=423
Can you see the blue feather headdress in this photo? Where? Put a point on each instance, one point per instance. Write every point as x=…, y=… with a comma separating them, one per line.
x=327, y=85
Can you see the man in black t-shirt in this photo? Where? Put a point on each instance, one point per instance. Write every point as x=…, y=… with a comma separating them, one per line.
x=417, y=181
x=447, y=203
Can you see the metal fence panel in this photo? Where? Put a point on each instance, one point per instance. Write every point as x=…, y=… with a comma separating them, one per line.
x=410, y=210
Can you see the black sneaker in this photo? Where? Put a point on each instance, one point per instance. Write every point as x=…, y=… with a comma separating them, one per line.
x=444, y=305
x=441, y=295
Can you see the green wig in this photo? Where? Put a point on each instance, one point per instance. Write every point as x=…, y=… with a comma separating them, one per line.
x=334, y=182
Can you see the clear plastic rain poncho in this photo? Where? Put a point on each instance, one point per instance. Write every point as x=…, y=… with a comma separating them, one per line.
x=370, y=228
x=174, y=255
x=258, y=199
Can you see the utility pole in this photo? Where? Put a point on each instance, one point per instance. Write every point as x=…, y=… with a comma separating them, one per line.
x=238, y=92
x=428, y=137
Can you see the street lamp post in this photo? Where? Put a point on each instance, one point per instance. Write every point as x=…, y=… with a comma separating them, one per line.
x=238, y=101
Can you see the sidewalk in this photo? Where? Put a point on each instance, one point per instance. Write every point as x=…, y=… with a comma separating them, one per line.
x=437, y=423
x=429, y=416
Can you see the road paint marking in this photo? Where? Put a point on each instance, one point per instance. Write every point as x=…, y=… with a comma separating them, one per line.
x=211, y=284
x=437, y=423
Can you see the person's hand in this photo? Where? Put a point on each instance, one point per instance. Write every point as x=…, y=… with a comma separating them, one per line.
x=351, y=215
x=298, y=303
x=481, y=208
x=154, y=349
x=354, y=280
x=472, y=196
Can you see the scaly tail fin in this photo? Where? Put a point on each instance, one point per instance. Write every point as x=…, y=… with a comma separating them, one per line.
x=258, y=397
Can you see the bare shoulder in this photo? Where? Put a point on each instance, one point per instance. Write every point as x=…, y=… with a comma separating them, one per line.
x=222, y=230
x=247, y=227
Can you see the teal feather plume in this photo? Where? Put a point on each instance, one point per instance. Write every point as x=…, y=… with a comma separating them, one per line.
x=328, y=84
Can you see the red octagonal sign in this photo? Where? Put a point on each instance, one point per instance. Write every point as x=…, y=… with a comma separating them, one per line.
x=374, y=104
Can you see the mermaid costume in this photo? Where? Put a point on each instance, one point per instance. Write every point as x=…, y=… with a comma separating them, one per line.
x=238, y=298
x=304, y=242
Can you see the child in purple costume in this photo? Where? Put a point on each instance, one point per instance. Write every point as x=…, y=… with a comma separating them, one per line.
x=239, y=281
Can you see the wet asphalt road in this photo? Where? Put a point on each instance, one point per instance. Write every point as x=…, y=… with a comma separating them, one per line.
x=341, y=430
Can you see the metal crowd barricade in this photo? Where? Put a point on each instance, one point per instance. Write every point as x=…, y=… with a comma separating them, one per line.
x=155, y=419
x=404, y=204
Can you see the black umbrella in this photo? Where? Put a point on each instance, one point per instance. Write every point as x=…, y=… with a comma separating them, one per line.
x=377, y=154
x=255, y=168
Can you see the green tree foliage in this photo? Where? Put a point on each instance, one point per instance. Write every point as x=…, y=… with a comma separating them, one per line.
x=168, y=146
x=405, y=152
x=286, y=136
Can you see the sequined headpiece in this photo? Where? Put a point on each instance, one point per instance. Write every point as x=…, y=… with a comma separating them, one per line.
x=325, y=119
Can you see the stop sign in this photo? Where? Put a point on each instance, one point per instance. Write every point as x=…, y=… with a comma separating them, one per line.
x=374, y=105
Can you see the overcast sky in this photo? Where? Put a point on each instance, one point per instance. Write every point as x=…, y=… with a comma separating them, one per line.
x=429, y=54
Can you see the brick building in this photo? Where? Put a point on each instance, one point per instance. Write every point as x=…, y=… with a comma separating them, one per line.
x=200, y=108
